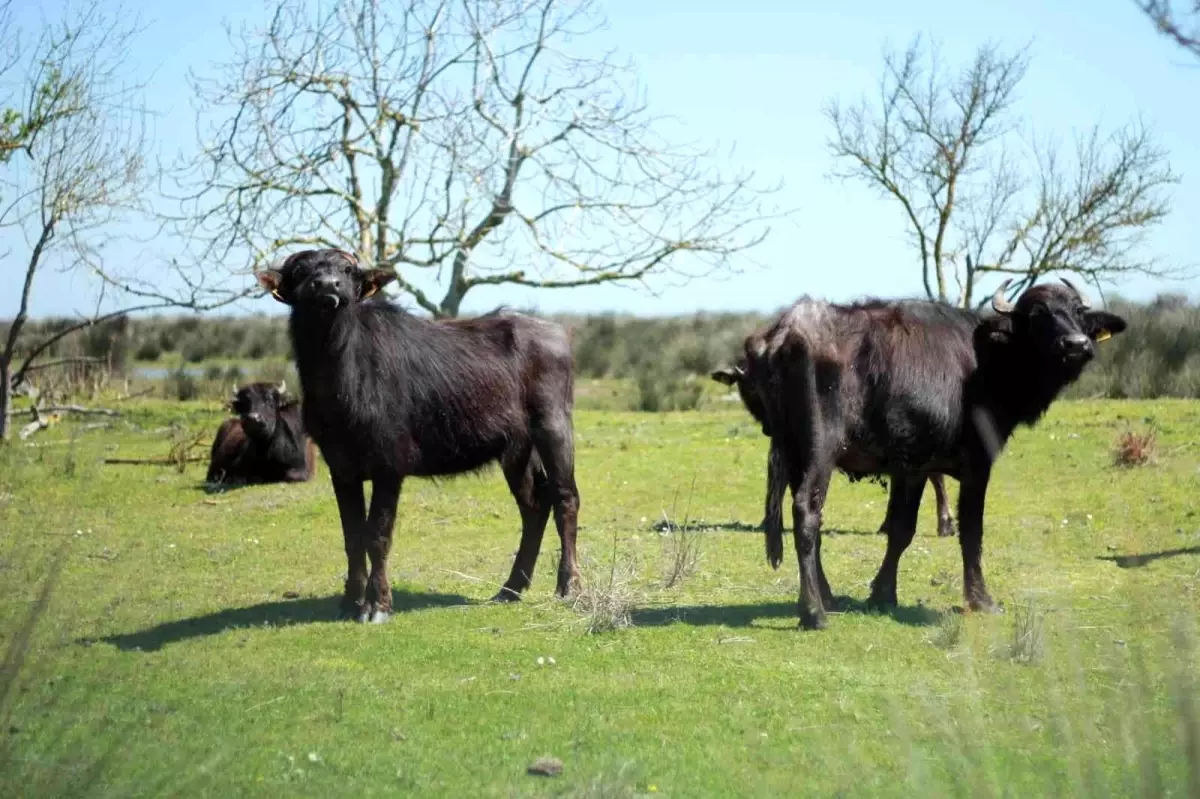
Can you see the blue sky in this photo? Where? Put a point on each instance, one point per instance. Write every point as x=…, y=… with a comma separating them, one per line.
x=754, y=74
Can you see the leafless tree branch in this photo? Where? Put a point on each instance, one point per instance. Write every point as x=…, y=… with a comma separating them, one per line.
x=1182, y=26
x=939, y=143
x=465, y=144
x=73, y=170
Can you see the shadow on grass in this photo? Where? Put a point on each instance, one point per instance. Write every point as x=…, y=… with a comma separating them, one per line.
x=268, y=614
x=743, y=527
x=747, y=615
x=1137, y=561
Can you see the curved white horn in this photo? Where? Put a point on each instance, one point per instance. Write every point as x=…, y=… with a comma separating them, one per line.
x=999, y=304
x=1084, y=300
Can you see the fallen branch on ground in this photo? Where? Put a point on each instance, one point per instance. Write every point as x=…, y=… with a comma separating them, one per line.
x=154, y=461
x=79, y=409
x=39, y=423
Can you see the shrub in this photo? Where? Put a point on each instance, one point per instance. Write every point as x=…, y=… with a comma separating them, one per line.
x=148, y=350
x=181, y=386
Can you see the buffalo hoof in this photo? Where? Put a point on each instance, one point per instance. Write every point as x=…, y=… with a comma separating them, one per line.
x=568, y=584
x=882, y=601
x=985, y=605
x=946, y=530
x=812, y=621
x=370, y=615
x=506, y=595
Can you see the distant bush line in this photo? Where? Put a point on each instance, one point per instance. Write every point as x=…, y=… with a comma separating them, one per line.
x=666, y=359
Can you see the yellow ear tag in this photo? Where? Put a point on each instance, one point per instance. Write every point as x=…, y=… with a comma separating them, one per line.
x=1103, y=335
x=275, y=293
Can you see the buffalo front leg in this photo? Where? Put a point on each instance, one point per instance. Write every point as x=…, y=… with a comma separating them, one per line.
x=903, y=503
x=945, y=520
x=352, y=510
x=385, y=494
x=972, y=493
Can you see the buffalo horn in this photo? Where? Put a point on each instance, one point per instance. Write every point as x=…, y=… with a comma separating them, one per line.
x=1083, y=298
x=999, y=304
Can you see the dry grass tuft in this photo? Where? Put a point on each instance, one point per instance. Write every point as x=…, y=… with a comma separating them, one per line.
x=1135, y=448
x=607, y=603
x=1029, y=634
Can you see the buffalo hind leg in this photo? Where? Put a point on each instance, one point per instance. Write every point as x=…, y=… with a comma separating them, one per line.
x=808, y=487
x=527, y=482
x=818, y=504
x=904, y=501
x=353, y=513
x=555, y=443
x=945, y=520
x=381, y=521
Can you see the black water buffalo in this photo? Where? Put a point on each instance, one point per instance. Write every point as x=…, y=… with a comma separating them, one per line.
x=909, y=389
x=388, y=395
x=777, y=473
x=265, y=442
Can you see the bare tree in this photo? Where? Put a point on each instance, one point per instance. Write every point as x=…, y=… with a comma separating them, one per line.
x=1183, y=26
x=464, y=143
x=941, y=144
x=72, y=169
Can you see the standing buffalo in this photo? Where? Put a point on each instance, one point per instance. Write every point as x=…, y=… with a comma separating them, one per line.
x=265, y=442
x=777, y=473
x=388, y=395
x=909, y=389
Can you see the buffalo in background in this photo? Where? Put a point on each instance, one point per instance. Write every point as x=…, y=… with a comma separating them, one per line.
x=265, y=442
x=777, y=473
x=909, y=389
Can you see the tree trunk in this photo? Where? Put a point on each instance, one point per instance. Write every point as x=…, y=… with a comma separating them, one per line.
x=5, y=401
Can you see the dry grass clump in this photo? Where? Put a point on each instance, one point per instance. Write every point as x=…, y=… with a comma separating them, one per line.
x=1135, y=448
x=606, y=604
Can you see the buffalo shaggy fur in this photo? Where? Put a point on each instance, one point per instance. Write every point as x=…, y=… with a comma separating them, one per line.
x=265, y=442
x=908, y=389
x=772, y=523
x=388, y=394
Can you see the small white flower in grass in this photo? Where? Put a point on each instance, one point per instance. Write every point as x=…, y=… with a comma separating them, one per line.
x=1065, y=522
x=313, y=757
x=541, y=661
x=1089, y=517
x=550, y=660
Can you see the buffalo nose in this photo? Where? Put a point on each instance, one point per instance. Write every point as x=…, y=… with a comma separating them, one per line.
x=333, y=284
x=1076, y=344
x=254, y=417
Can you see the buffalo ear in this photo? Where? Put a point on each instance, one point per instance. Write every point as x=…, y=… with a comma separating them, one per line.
x=994, y=331
x=271, y=280
x=728, y=375
x=1101, y=325
x=373, y=280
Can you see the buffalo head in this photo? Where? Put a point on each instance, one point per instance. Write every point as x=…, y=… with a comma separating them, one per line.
x=258, y=406
x=323, y=280
x=1051, y=324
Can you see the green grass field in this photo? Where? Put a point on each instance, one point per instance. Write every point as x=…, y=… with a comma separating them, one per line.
x=189, y=646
